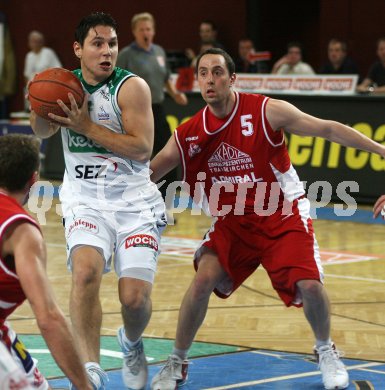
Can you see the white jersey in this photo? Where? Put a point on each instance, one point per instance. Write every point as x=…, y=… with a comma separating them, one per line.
x=94, y=176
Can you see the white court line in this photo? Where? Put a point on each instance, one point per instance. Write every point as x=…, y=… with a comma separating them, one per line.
x=375, y=371
x=276, y=355
x=286, y=377
x=355, y=278
x=113, y=331
x=103, y=352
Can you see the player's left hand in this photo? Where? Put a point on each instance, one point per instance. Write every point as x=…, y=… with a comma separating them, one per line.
x=77, y=118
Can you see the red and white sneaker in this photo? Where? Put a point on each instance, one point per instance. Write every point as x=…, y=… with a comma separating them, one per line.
x=334, y=373
x=172, y=375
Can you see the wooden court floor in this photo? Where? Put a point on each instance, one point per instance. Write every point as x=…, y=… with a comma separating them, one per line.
x=354, y=259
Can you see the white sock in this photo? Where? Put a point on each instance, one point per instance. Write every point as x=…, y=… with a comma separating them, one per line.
x=131, y=344
x=92, y=364
x=181, y=353
x=321, y=343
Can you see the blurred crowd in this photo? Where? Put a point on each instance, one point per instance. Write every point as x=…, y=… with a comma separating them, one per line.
x=248, y=59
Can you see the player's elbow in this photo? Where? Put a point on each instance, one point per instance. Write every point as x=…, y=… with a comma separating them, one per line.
x=331, y=130
x=49, y=320
x=143, y=156
x=145, y=151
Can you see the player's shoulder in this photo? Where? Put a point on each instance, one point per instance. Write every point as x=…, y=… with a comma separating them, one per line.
x=8, y=205
x=192, y=123
x=120, y=74
x=251, y=96
x=123, y=80
x=132, y=83
x=251, y=101
x=11, y=212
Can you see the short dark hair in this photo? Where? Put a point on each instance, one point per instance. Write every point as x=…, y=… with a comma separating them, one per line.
x=19, y=159
x=209, y=22
x=93, y=20
x=295, y=44
x=343, y=44
x=216, y=50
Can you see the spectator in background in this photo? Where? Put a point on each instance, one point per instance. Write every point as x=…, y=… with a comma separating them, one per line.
x=375, y=80
x=39, y=57
x=338, y=60
x=7, y=67
x=291, y=63
x=149, y=61
x=208, y=33
x=203, y=48
x=243, y=64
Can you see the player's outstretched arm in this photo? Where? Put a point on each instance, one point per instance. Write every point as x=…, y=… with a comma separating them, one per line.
x=25, y=242
x=283, y=115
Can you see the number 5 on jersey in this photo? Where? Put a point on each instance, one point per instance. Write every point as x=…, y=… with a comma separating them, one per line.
x=246, y=125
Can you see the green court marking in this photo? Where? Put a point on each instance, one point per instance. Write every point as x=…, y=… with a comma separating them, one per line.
x=156, y=351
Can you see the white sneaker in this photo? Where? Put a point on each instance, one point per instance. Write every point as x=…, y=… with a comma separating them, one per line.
x=172, y=375
x=334, y=373
x=97, y=377
x=134, y=371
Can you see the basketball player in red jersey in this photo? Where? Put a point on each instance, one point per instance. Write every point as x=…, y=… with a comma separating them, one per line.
x=23, y=275
x=233, y=154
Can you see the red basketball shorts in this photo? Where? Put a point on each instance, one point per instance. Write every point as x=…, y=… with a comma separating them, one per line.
x=284, y=245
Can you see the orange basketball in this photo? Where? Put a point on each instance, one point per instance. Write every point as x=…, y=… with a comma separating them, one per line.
x=52, y=84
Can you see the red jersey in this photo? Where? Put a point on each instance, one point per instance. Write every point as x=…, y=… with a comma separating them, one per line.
x=239, y=164
x=11, y=293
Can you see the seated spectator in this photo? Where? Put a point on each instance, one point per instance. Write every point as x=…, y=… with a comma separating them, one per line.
x=208, y=34
x=39, y=57
x=203, y=48
x=292, y=63
x=338, y=60
x=243, y=64
x=375, y=80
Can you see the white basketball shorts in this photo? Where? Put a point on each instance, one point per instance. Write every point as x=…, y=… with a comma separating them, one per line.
x=133, y=239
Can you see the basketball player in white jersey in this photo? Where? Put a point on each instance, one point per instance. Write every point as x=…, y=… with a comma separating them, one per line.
x=230, y=151
x=110, y=206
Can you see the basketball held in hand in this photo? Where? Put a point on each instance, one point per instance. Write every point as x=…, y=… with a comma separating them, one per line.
x=50, y=85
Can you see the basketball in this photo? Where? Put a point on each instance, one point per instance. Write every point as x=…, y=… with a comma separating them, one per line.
x=49, y=86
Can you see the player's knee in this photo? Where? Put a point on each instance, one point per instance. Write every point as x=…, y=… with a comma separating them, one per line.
x=83, y=277
x=136, y=300
x=310, y=288
x=202, y=286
